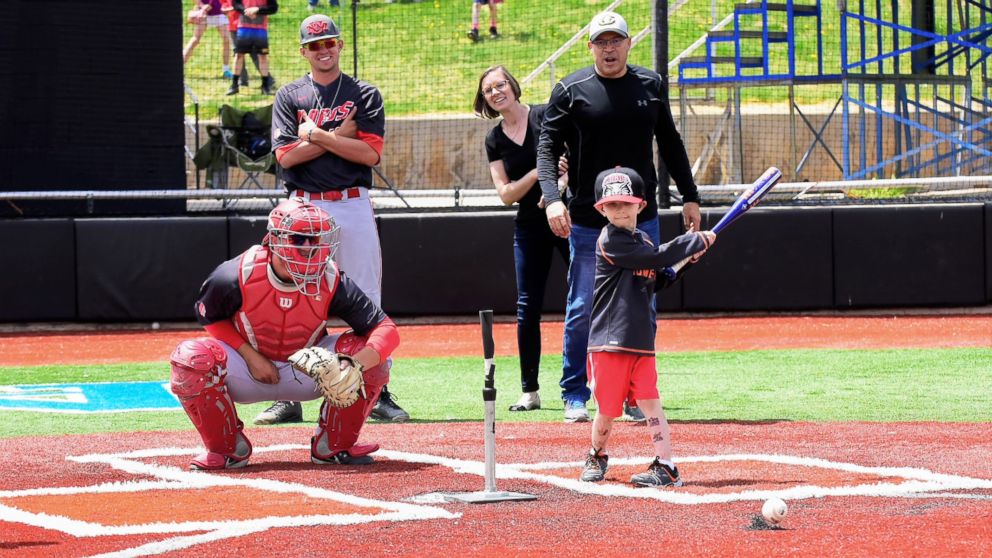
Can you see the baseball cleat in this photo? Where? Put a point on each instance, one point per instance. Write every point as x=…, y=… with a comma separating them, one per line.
x=342, y=458
x=387, y=409
x=658, y=474
x=595, y=467
x=474, y=35
x=281, y=412
x=211, y=461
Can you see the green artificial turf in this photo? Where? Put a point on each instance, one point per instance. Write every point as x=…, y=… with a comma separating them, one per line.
x=798, y=385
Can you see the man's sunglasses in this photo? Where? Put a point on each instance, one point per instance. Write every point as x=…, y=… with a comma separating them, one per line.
x=322, y=44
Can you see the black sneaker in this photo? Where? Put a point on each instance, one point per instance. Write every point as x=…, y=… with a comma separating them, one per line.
x=595, y=467
x=658, y=475
x=387, y=409
x=493, y=33
x=234, y=87
x=280, y=412
x=474, y=35
x=633, y=414
x=267, y=84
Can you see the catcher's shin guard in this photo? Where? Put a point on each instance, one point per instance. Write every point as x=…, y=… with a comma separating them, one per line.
x=337, y=428
x=199, y=367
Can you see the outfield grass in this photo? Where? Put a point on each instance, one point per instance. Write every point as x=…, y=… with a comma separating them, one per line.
x=794, y=385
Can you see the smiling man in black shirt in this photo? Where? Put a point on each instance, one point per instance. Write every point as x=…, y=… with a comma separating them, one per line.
x=607, y=115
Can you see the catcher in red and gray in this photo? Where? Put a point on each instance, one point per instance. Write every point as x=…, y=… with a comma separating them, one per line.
x=266, y=312
x=327, y=134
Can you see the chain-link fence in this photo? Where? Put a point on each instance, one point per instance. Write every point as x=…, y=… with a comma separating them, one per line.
x=752, y=85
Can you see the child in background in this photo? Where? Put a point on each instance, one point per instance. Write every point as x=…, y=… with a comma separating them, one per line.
x=476, y=8
x=621, y=359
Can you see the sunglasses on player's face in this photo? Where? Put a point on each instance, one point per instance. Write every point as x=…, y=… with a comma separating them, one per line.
x=322, y=44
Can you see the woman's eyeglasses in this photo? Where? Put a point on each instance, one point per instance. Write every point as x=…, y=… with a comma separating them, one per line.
x=499, y=86
x=322, y=44
x=613, y=43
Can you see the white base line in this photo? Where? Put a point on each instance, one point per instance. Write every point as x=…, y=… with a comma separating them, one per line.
x=919, y=483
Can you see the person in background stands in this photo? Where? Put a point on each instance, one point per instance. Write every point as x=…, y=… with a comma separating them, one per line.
x=607, y=115
x=511, y=147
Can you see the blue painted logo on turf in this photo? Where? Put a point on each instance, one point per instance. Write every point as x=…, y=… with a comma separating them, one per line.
x=110, y=397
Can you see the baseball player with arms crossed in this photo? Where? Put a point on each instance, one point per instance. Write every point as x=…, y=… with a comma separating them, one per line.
x=259, y=309
x=621, y=357
x=327, y=133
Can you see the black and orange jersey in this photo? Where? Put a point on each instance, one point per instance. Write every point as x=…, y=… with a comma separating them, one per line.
x=627, y=265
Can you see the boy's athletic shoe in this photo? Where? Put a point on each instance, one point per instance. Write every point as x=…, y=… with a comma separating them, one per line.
x=575, y=411
x=633, y=414
x=387, y=409
x=658, y=475
x=595, y=467
x=493, y=33
x=281, y=411
x=474, y=35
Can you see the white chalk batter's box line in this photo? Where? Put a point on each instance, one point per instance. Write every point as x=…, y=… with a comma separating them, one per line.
x=919, y=483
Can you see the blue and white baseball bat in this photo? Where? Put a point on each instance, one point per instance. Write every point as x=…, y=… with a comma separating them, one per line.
x=744, y=202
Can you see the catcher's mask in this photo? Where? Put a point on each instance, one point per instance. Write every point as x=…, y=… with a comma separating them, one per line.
x=304, y=237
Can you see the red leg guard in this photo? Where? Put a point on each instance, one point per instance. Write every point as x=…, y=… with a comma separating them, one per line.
x=199, y=367
x=337, y=428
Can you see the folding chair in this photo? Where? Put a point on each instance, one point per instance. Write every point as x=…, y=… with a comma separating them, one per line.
x=242, y=140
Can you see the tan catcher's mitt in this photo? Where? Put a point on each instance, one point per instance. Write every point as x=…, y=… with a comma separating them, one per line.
x=337, y=376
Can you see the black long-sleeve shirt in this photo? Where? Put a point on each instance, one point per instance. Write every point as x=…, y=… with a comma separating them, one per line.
x=609, y=122
x=627, y=266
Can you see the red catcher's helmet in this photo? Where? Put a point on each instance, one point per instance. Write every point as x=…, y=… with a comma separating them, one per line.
x=304, y=237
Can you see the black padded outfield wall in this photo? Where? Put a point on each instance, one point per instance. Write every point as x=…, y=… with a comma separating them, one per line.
x=909, y=256
x=988, y=252
x=38, y=282
x=92, y=99
x=455, y=263
x=767, y=260
x=145, y=269
x=773, y=259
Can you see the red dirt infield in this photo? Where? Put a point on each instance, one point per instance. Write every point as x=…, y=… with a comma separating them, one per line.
x=853, y=489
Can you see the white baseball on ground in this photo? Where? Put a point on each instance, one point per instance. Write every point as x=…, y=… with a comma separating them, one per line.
x=774, y=510
x=156, y=325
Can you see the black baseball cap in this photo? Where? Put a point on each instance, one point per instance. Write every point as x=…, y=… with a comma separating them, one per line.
x=317, y=27
x=620, y=184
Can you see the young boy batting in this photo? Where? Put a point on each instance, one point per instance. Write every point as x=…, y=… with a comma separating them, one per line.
x=621, y=359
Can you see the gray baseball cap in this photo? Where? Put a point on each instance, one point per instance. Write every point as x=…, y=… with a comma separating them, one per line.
x=607, y=21
x=317, y=27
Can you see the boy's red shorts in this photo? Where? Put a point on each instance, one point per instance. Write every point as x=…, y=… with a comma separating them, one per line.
x=615, y=377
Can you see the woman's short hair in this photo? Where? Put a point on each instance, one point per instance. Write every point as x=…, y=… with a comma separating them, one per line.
x=482, y=108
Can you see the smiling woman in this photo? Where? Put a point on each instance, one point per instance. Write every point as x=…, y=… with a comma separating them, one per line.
x=512, y=154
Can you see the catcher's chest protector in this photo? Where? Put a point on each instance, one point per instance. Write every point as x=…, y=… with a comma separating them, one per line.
x=278, y=322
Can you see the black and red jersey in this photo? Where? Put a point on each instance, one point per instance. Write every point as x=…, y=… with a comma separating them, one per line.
x=223, y=298
x=328, y=106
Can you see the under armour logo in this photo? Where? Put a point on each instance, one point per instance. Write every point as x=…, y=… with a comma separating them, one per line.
x=285, y=302
x=607, y=19
x=316, y=27
x=642, y=103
